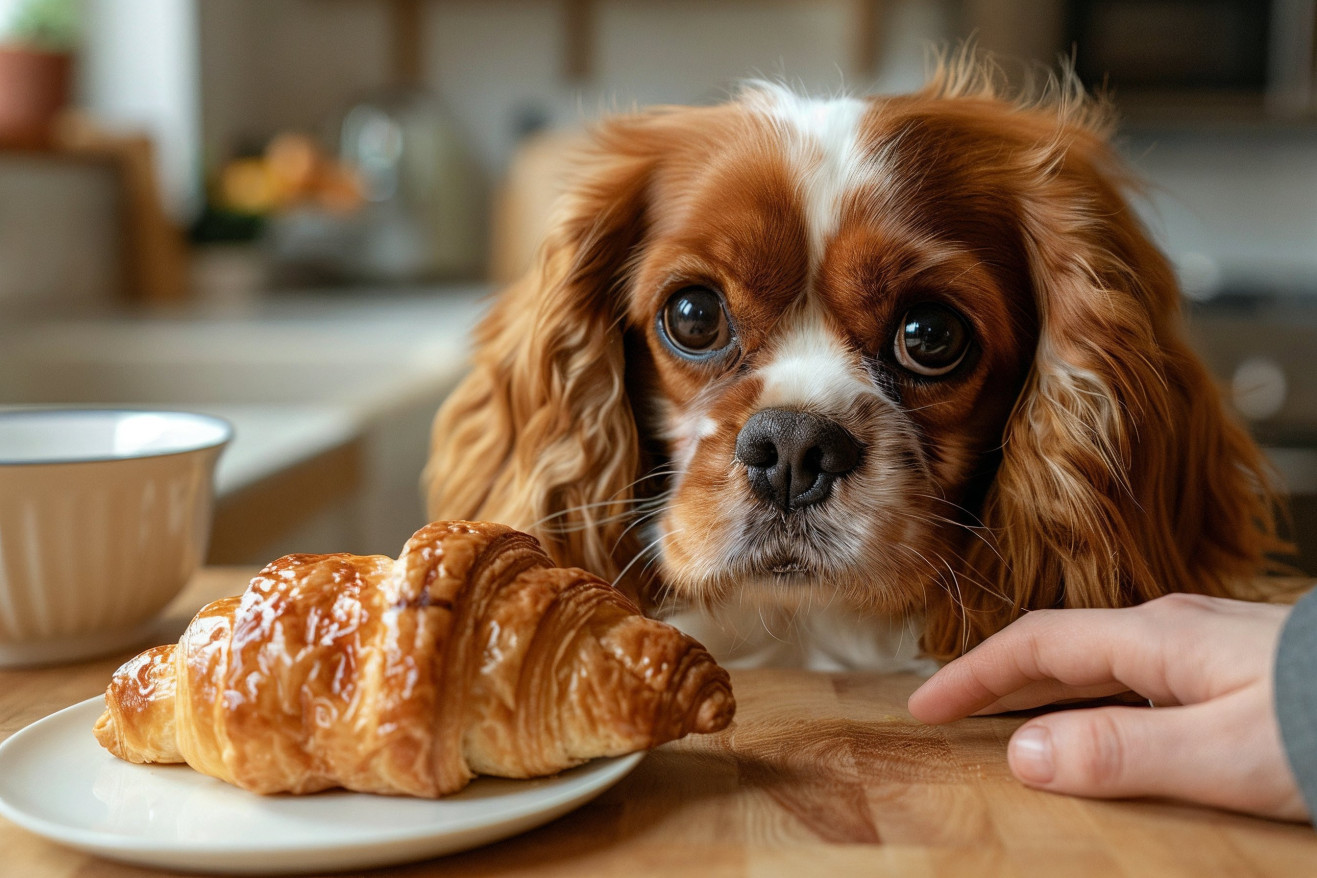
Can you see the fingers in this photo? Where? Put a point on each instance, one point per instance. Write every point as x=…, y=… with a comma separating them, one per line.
x=1042, y=657
x=1225, y=753
x=1177, y=649
x=1051, y=692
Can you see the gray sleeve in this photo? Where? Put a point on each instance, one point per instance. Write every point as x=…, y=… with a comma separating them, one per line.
x=1296, y=695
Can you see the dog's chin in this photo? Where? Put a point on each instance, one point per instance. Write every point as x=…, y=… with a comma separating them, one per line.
x=786, y=587
x=790, y=584
x=789, y=564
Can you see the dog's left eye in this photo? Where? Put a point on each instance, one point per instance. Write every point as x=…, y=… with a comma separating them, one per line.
x=932, y=340
x=694, y=321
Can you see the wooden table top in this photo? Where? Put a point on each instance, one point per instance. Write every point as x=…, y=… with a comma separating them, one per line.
x=820, y=774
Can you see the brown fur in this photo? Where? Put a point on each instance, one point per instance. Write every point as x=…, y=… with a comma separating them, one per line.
x=1114, y=472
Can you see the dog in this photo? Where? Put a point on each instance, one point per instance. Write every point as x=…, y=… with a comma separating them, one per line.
x=857, y=381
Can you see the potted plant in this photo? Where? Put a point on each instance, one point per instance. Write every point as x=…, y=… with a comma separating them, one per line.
x=36, y=70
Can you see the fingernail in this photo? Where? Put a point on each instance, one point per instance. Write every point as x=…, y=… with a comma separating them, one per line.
x=1031, y=755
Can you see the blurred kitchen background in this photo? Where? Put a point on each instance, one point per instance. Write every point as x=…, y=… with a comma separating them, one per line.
x=287, y=212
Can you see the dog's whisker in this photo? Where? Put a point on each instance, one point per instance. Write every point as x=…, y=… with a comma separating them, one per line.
x=977, y=531
x=769, y=628
x=582, y=507
x=640, y=554
x=930, y=405
x=958, y=597
x=661, y=471
x=659, y=508
x=658, y=473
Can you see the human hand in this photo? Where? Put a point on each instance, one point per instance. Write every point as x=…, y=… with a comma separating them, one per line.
x=1205, y=662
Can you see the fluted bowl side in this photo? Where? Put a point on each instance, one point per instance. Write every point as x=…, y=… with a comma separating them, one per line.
x=104, y=516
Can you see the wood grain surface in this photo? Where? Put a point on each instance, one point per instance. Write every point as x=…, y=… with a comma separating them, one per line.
x=821, y=774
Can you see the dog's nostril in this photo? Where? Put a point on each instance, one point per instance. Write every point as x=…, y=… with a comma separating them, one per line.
x=792, y=458
x=836, y=453
x=760, y=453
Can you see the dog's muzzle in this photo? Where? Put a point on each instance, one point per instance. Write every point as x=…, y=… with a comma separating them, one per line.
x=793, y=458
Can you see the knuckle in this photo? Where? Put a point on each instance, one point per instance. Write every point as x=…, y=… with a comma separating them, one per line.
x=1037, y=623
x=1100, y=753
x=1178, y=602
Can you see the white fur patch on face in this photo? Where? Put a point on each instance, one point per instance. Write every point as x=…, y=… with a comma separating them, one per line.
x=823, y=138
x=684, y=431
x=812, y=368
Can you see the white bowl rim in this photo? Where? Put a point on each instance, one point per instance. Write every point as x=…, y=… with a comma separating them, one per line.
x=224, y=428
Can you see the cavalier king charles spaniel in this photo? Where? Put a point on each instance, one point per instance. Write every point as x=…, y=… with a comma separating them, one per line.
x=849, y=381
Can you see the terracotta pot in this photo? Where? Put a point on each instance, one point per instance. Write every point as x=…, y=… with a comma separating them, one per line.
x=34, y=87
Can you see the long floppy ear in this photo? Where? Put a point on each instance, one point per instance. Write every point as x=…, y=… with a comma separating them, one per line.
x=541, y=435
x=1122, y=477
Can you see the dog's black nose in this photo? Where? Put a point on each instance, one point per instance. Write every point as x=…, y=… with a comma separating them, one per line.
x=794, y=457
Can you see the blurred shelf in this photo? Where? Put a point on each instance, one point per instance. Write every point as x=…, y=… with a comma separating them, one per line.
x=867, y=20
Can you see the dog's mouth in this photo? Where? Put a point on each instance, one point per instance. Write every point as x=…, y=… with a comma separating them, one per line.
x=785, y=555
x=787, y=566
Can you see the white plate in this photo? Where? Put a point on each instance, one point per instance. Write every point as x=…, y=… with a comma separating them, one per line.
x=57, y=781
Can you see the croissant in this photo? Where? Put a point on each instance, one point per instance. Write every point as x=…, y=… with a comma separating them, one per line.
x=470, y=654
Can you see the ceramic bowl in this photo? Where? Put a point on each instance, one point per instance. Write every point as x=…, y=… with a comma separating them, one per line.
x=104, y=516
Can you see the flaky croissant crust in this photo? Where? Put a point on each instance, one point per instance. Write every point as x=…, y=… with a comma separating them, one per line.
x=470, y=654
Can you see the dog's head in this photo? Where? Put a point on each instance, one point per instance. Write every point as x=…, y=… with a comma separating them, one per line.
x=911, y=354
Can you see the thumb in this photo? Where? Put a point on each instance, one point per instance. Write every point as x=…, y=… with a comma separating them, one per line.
x=1216, y=753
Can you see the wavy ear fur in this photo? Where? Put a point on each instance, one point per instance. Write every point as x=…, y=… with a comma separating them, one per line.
x=1123, y=477
x=541, y=435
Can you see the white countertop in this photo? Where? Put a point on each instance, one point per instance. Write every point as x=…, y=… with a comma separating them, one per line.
x=271, y=439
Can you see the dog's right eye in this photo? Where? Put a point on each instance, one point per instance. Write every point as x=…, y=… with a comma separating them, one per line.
x=695, y=323
x=932, y=340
